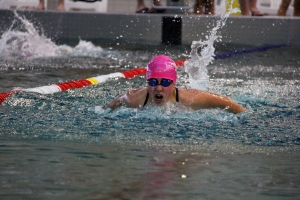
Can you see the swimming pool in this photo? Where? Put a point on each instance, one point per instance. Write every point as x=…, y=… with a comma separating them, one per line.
x=64, y=145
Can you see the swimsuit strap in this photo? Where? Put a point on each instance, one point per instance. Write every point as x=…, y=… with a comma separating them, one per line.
x=147, y=97
x=177, y=97
x=146, y=100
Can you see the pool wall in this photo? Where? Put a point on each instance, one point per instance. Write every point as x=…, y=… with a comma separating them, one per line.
x=155, y=29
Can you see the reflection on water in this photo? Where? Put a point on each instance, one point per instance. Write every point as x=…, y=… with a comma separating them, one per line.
x=46, y=169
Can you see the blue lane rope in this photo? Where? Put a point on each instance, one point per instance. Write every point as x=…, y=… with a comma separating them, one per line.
x=239, y=52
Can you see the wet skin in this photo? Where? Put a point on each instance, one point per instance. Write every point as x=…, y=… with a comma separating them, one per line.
x=190, y=98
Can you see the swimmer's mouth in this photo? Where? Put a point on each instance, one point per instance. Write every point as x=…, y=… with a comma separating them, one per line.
x=158, y=96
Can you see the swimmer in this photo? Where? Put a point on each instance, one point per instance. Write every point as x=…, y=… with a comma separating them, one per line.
x=161, y=79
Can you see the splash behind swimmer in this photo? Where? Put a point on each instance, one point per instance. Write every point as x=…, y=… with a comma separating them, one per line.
x=161, y=78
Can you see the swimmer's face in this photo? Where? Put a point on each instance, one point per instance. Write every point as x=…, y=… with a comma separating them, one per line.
x=159, y=94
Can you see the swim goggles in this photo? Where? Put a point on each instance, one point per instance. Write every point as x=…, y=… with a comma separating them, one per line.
x=164, y=82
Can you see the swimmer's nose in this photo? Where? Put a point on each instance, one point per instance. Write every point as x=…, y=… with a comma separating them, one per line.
x=159, y=88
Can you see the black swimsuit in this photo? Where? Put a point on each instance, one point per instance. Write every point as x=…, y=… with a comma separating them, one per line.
x=147, y=97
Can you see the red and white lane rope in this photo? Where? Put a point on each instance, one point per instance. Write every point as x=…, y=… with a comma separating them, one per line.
x=50, y=89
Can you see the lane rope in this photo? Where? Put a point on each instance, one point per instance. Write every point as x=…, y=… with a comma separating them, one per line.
x=50, y=89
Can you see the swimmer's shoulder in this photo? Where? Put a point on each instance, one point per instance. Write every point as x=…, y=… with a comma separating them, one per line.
x=197, y=99
x=137, y=92
x=136, y=97
x=132, y=98
x=186, y=94
x=193, y=98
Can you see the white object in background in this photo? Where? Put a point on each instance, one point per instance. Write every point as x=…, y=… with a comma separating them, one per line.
x=97, y=6
x=271, y=7
x=20, y=4
x=220, y=7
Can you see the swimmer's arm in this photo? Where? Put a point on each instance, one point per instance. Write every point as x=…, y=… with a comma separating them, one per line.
x=116, y=103
x=131, y=99
x=223, y=102
x=198, y=99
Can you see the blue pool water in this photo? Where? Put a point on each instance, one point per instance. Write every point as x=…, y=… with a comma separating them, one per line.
x=65, y=146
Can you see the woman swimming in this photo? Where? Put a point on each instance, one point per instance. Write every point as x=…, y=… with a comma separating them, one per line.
x=161, y=77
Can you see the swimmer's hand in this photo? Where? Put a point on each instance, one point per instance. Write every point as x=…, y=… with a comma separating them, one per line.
x=102, y=110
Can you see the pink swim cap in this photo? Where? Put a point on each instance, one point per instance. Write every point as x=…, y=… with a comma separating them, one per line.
x=162, y=67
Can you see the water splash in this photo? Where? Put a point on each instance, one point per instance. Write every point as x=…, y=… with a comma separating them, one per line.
x=30, y=44
x=196, y=66
x=83, y=49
